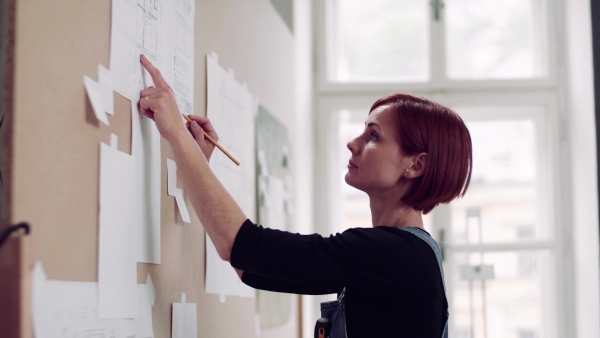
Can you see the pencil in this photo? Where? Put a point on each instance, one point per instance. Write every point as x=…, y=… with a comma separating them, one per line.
x=212, y=140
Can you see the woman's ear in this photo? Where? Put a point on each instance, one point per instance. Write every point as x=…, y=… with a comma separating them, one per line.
x=418, y=166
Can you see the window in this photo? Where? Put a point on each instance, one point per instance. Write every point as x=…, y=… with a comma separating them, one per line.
x=361, y=39
x=508, y=189
x=489, y=39
x=492, y=62
x=424, y=41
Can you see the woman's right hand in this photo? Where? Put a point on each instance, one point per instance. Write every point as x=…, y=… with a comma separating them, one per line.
x=158, y=103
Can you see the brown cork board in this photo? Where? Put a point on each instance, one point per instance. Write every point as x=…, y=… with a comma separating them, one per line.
x=55, y=148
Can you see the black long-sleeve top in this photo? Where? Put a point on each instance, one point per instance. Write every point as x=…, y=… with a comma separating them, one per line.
x=394, y=286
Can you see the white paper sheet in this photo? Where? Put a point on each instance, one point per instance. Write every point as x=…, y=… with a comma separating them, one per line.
x=172, y=190
x=184, y=320
x=164, y=32
x=145, y=149
x=140, y=27
x=231, y=109
x=276, y=205
x=183, y=55
x=94, y=92
x=183, y=210
x=70, y=309
x=117, y=277
x=114, y=141
x=38, y=308
x=106, y=85
x=151, y=290
x=143, y=324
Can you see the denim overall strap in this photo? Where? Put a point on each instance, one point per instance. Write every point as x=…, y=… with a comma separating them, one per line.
x=335, y=311
x=438, y=255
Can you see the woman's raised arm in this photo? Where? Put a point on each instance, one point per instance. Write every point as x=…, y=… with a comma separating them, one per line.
x=217, y=210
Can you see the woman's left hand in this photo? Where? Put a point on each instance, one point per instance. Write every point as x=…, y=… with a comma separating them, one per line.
x=158, y=103
x=197, y=128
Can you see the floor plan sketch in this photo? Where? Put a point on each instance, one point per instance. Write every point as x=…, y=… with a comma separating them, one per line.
x=147, y=23
x=140, y=26
x=183, y=55
x=163, y=31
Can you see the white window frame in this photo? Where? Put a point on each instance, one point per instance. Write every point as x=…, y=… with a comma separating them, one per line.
x=438, y=80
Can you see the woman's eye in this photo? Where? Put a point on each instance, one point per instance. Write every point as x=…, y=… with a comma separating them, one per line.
x=372, y=136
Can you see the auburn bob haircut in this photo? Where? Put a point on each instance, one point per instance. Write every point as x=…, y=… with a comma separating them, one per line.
x=428, y=127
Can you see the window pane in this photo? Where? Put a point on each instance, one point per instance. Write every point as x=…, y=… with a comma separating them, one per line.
x=502, y=203
x=509, y=303
x=378, y=40
x=491, y=39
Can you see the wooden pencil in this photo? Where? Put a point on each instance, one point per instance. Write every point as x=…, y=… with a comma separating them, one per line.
x=214, y=142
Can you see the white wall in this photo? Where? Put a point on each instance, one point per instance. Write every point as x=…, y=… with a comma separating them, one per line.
x=581, y=168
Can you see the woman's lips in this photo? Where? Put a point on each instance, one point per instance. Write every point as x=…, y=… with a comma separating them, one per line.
x=352, y=165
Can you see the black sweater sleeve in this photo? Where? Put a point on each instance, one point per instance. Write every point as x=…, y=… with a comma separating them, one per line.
x=279, y=285
x=382, y=257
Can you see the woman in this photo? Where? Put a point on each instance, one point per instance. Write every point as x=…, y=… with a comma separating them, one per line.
x=412, y=155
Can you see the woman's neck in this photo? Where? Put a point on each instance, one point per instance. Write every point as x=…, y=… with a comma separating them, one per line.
x=391, y=212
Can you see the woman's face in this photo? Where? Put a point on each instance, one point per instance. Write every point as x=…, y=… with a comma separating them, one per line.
x=376, y=161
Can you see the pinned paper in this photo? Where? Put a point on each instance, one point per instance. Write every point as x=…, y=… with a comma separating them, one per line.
x=146, y=296
x=276, y=204
x=147, y=78
x=114, y=141
x=70, y=309
x=106, y=88
x=39, y=307
x=140, y=27
x=262, y=164
x=94, y=92
x=184, y=319
x=151, y=290
x=257, y=325
x=117, y=278
x=171, y=177
x=145, y=149
x=232, y=110
x=172, y=190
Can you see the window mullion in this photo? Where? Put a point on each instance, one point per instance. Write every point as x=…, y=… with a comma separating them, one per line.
x=437, y=45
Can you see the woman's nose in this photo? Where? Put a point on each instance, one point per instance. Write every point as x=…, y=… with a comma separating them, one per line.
x=352, y=145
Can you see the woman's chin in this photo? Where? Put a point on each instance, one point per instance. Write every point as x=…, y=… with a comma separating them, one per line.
x=348, y=180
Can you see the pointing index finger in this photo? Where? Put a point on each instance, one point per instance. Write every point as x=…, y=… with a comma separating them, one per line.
x=159, y=81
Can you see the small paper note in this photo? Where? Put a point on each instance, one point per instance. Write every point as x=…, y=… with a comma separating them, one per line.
x=106, y=88
x=143, y=323
x=39, y=308
x=184, y=319
x=94, y=92
x=172, y=190
x=151, y=290
x=114, y=141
